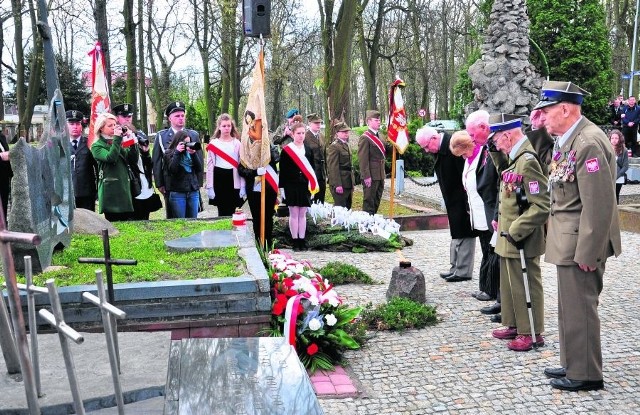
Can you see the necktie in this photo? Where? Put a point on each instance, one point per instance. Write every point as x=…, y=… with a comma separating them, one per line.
x=75, y=144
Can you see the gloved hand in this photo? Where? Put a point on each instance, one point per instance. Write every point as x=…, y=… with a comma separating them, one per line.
x=211, y=193
x=494, y=225
x=367, y=182
x=243, y=193
x=282, y=194
x=518, y=244
x=339, y=190
x=261, y=171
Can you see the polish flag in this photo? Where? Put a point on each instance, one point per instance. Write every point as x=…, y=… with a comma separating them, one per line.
x=397, y=129
x=100, y=101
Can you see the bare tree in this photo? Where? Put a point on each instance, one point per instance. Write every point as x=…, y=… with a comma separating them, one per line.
x=129, y=32
x=102, y=29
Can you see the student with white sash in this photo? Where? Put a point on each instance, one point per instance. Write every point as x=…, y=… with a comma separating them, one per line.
x=222, y=178
x=297, y=183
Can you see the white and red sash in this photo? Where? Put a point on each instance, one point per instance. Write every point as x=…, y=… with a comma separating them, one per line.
x=304, y=166
x=229, y=158
x=375, y=140
x=272, y=178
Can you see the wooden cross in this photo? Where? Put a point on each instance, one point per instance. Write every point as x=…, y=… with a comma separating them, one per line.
x=108, y=263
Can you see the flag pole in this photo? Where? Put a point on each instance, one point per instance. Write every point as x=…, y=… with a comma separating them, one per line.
x=393, y=181
x=263, y=190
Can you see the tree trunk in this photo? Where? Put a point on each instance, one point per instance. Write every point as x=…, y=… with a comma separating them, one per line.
x=34, y=76
x=16, y=9
x=228, y=41
x=102, y=29
x=129, y=31
x=142, y=86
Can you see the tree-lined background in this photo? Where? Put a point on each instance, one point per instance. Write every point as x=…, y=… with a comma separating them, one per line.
x=336, y=58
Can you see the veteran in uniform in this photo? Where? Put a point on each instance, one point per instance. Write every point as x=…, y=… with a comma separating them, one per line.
x=176, y=115
x=371, y=154
x=581, y=236
x=315, y=141
x=523, y=209
x=339, y=169
x=84, y=167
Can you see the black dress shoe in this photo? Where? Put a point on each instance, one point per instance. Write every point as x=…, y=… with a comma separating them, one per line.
x=456, y=278
x=567, y=384
x=496, y=318
x=555, y=372
x=484, y=297
x=445, y=275
x=495, y=308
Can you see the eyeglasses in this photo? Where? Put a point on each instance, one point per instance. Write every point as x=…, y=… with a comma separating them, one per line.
x=433, y=137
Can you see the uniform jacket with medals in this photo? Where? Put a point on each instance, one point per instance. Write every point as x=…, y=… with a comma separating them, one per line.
x=449, y=170
x=583, y=221
x=524, y=174
x=160, y=146
x=339, y=168
x=371, y=159
x=85, y=169
x=317, y=147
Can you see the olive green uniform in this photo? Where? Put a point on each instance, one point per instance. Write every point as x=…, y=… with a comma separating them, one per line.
x=340, y=172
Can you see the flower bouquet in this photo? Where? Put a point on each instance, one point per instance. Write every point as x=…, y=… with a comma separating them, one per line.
x=309, y=313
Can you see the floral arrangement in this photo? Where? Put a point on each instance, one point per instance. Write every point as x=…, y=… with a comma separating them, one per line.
x=354, y=219
x=309, y=313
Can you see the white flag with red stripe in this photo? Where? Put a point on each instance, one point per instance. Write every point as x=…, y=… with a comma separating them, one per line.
x=100, y=101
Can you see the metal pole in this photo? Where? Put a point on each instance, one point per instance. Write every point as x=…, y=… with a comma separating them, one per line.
x=527, y=296
x=63, y=331
x=7, y=340
x=633, y=49
x=33, y=325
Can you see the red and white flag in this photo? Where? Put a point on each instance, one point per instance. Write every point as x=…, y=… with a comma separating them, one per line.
x=100, y=101
x=397, y=128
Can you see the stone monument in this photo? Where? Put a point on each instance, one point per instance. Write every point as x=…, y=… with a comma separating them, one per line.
x=407, y=282
x=503, y=79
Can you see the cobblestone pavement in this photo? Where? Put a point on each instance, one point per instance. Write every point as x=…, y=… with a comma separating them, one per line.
x=456, y=366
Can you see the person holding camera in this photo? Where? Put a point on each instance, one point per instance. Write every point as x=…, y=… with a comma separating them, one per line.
x=184, y=167
x=283, y=134
x=147, y=201
x=114, y=189
x=222, y=176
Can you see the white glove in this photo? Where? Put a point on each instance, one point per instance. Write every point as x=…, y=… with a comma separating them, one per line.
x=261, y=171
x=243, y=193
x=282, y=194
x=211, y=193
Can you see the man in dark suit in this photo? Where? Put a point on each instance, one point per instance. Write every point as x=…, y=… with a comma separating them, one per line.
x=176, y=115
x=339, y=168
x=630, y=118
x=371, y=156
x=315, y=141
x=83, y=165
x=583, y=229
x=5, y=175
x=449, y=169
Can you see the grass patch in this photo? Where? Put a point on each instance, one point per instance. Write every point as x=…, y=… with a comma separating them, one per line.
x=399, y=314
x=340, y=273
x=144, y=241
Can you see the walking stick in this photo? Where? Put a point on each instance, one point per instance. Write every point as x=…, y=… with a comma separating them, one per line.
x=526, y=293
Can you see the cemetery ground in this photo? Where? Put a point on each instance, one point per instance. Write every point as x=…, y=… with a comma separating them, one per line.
x=455, y=366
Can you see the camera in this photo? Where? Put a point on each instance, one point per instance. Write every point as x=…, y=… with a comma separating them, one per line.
x=194, y=146
x=143, y=141
x=124, y=129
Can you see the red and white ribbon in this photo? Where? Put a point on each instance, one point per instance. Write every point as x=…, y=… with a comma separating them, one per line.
x=231, y=159
x=304, y=166
x=375, y=140
x=291, y=318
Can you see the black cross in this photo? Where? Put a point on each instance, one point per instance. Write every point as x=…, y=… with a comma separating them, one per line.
x=108, y=262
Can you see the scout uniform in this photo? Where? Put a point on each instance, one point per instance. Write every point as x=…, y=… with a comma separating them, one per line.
x=582, y=168
x=339, y=170
x=524, y=220
x=371, y=158
x=317, y=147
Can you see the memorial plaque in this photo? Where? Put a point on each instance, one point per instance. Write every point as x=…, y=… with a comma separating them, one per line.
x=252, y=376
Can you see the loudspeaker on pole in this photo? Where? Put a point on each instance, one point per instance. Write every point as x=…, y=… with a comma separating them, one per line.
x=256, y=18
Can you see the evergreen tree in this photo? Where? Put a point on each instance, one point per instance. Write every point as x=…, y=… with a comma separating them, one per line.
x=574, y=38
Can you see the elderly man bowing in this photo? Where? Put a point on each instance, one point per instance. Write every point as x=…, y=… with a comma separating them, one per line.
x=583, y=228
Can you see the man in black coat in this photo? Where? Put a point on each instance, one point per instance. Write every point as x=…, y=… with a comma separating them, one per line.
x=5, y=175
x=630, y=118
x=83, y=165
x=449, y=169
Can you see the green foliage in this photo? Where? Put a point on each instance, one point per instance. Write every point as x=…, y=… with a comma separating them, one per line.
x=416, y=159
x=144, y=241
x=341, y=273
x=399, y=314
x=463, y=90
x=574, y=38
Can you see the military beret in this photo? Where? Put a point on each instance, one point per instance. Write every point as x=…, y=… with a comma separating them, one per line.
x=371, y=114
x=292, y=112
x=342, y=126
x=503, y=122
x=554, y=92
x=74, y=116
x=173, y=107
x=314, y=118
x=123, y=109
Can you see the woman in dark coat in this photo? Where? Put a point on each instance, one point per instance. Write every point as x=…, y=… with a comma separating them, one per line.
x=184, y=166
x=295, y=185
x=622, y=159
x=114, y=189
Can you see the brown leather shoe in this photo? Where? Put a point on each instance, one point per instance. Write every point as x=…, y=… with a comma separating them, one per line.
x=524, y=343
x=505, y=333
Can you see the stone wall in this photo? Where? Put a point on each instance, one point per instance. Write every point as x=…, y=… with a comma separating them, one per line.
x=503, y=79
